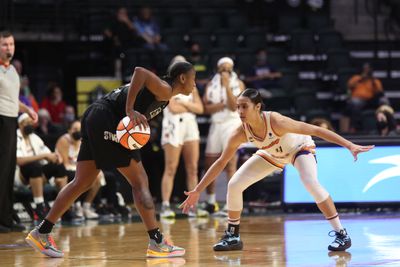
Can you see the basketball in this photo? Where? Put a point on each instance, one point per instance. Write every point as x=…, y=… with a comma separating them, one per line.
x=132, y=137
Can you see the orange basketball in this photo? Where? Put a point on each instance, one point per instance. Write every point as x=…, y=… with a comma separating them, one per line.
x=131, y=137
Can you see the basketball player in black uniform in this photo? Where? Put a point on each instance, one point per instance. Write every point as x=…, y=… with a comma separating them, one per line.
x=143, y=99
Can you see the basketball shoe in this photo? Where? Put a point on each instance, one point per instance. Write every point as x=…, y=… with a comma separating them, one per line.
x=341, y=242
x=163, y=250
x=167, y=213
x=44, y=243
x=229, y=242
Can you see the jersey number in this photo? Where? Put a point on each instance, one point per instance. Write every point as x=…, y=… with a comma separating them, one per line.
x=279, y=149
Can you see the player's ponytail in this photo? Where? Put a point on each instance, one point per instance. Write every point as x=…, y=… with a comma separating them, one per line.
x=254, y=96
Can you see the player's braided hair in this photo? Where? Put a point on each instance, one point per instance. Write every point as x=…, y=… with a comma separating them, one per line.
x=176, y=69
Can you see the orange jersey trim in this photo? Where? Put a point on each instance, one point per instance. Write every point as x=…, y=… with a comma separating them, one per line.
x=269, y=160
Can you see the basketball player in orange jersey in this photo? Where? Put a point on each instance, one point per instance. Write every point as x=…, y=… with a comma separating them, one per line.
x=143, y=99
x=281, y=141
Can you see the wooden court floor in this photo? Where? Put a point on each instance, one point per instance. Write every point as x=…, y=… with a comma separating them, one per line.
x=283, y=240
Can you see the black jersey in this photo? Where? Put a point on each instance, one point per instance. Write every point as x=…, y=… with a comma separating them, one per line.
x=145, y=103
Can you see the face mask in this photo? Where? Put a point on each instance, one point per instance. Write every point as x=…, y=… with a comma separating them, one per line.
x=381, y=125
x=76, y=136
x=28, y=129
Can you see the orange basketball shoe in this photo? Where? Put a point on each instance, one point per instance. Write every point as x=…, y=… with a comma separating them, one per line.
x=44, y=243
x=163, y=250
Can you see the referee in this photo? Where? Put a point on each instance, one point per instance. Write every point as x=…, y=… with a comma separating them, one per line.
x=9, y=107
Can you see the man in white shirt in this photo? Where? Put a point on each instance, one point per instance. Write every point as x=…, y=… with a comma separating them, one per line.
x=9, y=107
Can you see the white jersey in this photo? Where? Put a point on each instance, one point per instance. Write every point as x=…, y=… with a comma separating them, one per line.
x=182, y=98
x=216, y=93
x=179, y=128
x=280, y=150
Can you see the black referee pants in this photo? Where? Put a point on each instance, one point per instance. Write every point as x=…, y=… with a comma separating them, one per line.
x=8, y=160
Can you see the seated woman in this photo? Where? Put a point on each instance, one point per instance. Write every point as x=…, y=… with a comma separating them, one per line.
x=68, y=147
x=37, y=163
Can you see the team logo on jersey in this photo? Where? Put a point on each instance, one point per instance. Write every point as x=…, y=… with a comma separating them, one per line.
x=387, y=173
x=155, y=112
x=110, y=136
x=271, y=144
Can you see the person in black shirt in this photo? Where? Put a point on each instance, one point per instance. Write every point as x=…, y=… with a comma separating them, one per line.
x=143, y=99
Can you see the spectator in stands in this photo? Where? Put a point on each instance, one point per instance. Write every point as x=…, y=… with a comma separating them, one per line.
x=54, y=103
x=322, y=122
x=37, y=162
x=69, y=116
x=200, y=63
x=365, y=92
x=385, y=122
x=122, y=32
x=263, y=75
x=149, y=30
x=46, y=126
x=25, y=94
x=68, y=147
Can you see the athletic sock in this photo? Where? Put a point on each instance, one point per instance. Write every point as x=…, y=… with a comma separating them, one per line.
x=335, y=223
x=45, y=227
x=233, y=229
x=156, y=235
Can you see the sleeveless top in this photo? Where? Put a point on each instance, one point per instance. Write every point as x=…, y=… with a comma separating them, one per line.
x=185, y=115
x=72, y=154
x=145, y=102
x=278, y=150
x=216, y=93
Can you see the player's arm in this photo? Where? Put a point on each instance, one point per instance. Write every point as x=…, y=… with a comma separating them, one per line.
x=283, y=125
x=195, y=106
x=210, y=108
x=144, y=78
x=24, y=108
x=238, y=137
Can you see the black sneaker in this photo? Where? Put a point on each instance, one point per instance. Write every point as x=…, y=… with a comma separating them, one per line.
x=229, y=242
x=341, y=242
x=40, y=211
x=211, y=208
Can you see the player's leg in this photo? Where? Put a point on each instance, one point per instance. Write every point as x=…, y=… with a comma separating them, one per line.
x=213, y=151
x=307, y=167
x=171, y=159
x=137, y=177
x=40, y=237
x=190, y=152
x=253, y=170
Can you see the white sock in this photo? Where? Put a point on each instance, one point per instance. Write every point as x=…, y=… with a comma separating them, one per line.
x=86, y=205
x=211, y=198
x=78, y=204
x=336, y=225
x=165, y=203
x=38, y=200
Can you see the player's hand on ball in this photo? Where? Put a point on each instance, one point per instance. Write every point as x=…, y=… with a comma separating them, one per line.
x=138, y=119
x=356, y=149
x=190, y=202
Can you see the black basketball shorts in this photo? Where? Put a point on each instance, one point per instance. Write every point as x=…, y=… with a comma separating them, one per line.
x=99, y=140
